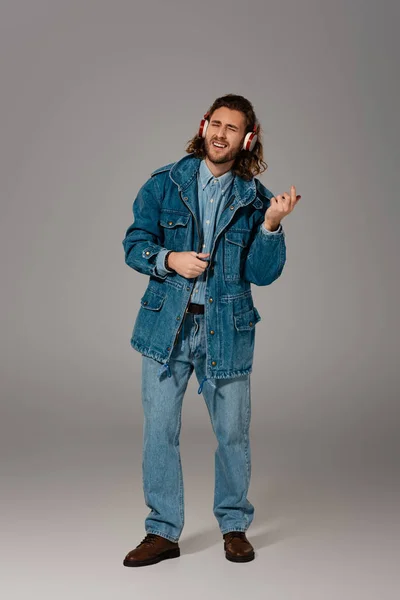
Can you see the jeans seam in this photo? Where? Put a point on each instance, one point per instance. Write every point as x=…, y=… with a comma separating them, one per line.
x=247, y=441
x=181, y=500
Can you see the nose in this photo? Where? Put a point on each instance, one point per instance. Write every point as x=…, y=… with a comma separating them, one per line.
x=221, y=133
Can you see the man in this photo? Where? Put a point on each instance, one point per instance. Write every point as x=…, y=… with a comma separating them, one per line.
x=197, y=313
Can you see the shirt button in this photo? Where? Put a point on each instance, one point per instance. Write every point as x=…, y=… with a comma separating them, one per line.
x=170, y=223
x=147, y=252
x=212, y=331
x=207, y=221
x=251, y=323
x=178, y=318
x=232, y=207
x=204, y=245
x=213, y=363
x=212, y=200
x=211, y=300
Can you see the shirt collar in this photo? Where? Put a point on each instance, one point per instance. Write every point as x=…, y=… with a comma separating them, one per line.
x=206, y=176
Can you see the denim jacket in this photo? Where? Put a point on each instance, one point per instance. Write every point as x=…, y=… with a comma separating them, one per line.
x=166, y=215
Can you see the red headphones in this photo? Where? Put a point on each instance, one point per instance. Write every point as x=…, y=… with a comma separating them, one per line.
x=249, y=141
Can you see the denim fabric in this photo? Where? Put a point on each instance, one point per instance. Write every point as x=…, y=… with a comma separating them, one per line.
x=167, y=216
x=211, y=195
x=229, y=404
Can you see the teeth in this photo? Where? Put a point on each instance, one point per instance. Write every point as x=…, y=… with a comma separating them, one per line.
x=219, y=145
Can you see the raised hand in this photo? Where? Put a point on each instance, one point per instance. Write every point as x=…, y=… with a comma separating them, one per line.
x=280, y=206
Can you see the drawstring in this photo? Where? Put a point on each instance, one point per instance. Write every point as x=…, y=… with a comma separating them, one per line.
x=165, y=367
x=205, y=378
x=201, y=384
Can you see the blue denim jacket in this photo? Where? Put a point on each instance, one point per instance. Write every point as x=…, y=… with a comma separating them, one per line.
x=166, y=216
x=211, y=192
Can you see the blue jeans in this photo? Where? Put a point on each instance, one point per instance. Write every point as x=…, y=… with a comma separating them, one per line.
x=229, y=407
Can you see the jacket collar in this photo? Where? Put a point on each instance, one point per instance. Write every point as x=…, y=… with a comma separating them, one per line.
x=185, y=170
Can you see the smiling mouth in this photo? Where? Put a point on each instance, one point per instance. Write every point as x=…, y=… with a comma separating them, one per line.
x=219, y=146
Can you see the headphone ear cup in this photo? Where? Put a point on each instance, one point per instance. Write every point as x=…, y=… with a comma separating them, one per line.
x=250, y=141
x=203, y=128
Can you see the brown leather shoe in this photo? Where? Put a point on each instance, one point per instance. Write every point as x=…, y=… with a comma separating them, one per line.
x=151, y=550
x=237, y=547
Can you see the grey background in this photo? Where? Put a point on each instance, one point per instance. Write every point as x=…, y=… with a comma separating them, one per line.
x=94, y=96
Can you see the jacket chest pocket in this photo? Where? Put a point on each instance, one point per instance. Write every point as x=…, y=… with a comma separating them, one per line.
x=174, y=226
x=235, y=252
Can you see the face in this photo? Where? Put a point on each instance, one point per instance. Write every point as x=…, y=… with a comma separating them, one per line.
x=227, y=129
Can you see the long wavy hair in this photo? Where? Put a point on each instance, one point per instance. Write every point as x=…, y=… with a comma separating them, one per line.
x=247, y=164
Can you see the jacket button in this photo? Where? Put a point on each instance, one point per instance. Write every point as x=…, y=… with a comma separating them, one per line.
x=188, y=287
x=170, y=223
x=251, y=323
x=213, y=363
x=147, y=252
x=145, y=303
x=178, y=318
x=210, y=300
x=232, y=207
x=169, y=348
x=212, y=331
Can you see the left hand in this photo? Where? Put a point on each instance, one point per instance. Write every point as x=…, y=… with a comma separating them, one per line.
x=281, y=206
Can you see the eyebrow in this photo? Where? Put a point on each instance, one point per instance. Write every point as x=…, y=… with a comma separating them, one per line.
x=229, y=124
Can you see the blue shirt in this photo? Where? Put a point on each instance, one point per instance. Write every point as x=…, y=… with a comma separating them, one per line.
x=212, y=196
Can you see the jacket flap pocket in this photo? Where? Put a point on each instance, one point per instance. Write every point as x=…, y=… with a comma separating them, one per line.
x=246, y=320
x=152, y=301
x=170, y=220
x=238, y=237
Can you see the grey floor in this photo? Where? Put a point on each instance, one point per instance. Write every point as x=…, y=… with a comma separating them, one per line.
x=326, y=522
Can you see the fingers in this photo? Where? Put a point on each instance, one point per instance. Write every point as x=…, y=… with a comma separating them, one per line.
x=289, y=200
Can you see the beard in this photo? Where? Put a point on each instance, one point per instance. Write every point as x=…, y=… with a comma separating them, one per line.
x=218, y=157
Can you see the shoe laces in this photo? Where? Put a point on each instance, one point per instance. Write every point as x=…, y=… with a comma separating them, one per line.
x=238, y=534
x=149, y=540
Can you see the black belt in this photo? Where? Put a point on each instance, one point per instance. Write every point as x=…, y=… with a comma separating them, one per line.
x=196, y=309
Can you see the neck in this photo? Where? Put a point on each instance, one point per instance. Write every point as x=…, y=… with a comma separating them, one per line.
x=219, y=169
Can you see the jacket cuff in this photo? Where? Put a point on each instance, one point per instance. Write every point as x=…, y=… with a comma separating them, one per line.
x=161, y=270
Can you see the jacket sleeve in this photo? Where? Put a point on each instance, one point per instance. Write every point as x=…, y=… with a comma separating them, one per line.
x=142, y=242
x=266, y=257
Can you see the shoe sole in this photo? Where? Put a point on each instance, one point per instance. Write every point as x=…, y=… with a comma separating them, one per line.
x=174, y=553
x=239, y=559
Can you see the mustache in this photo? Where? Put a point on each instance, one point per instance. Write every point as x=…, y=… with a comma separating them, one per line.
x=219, y=141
